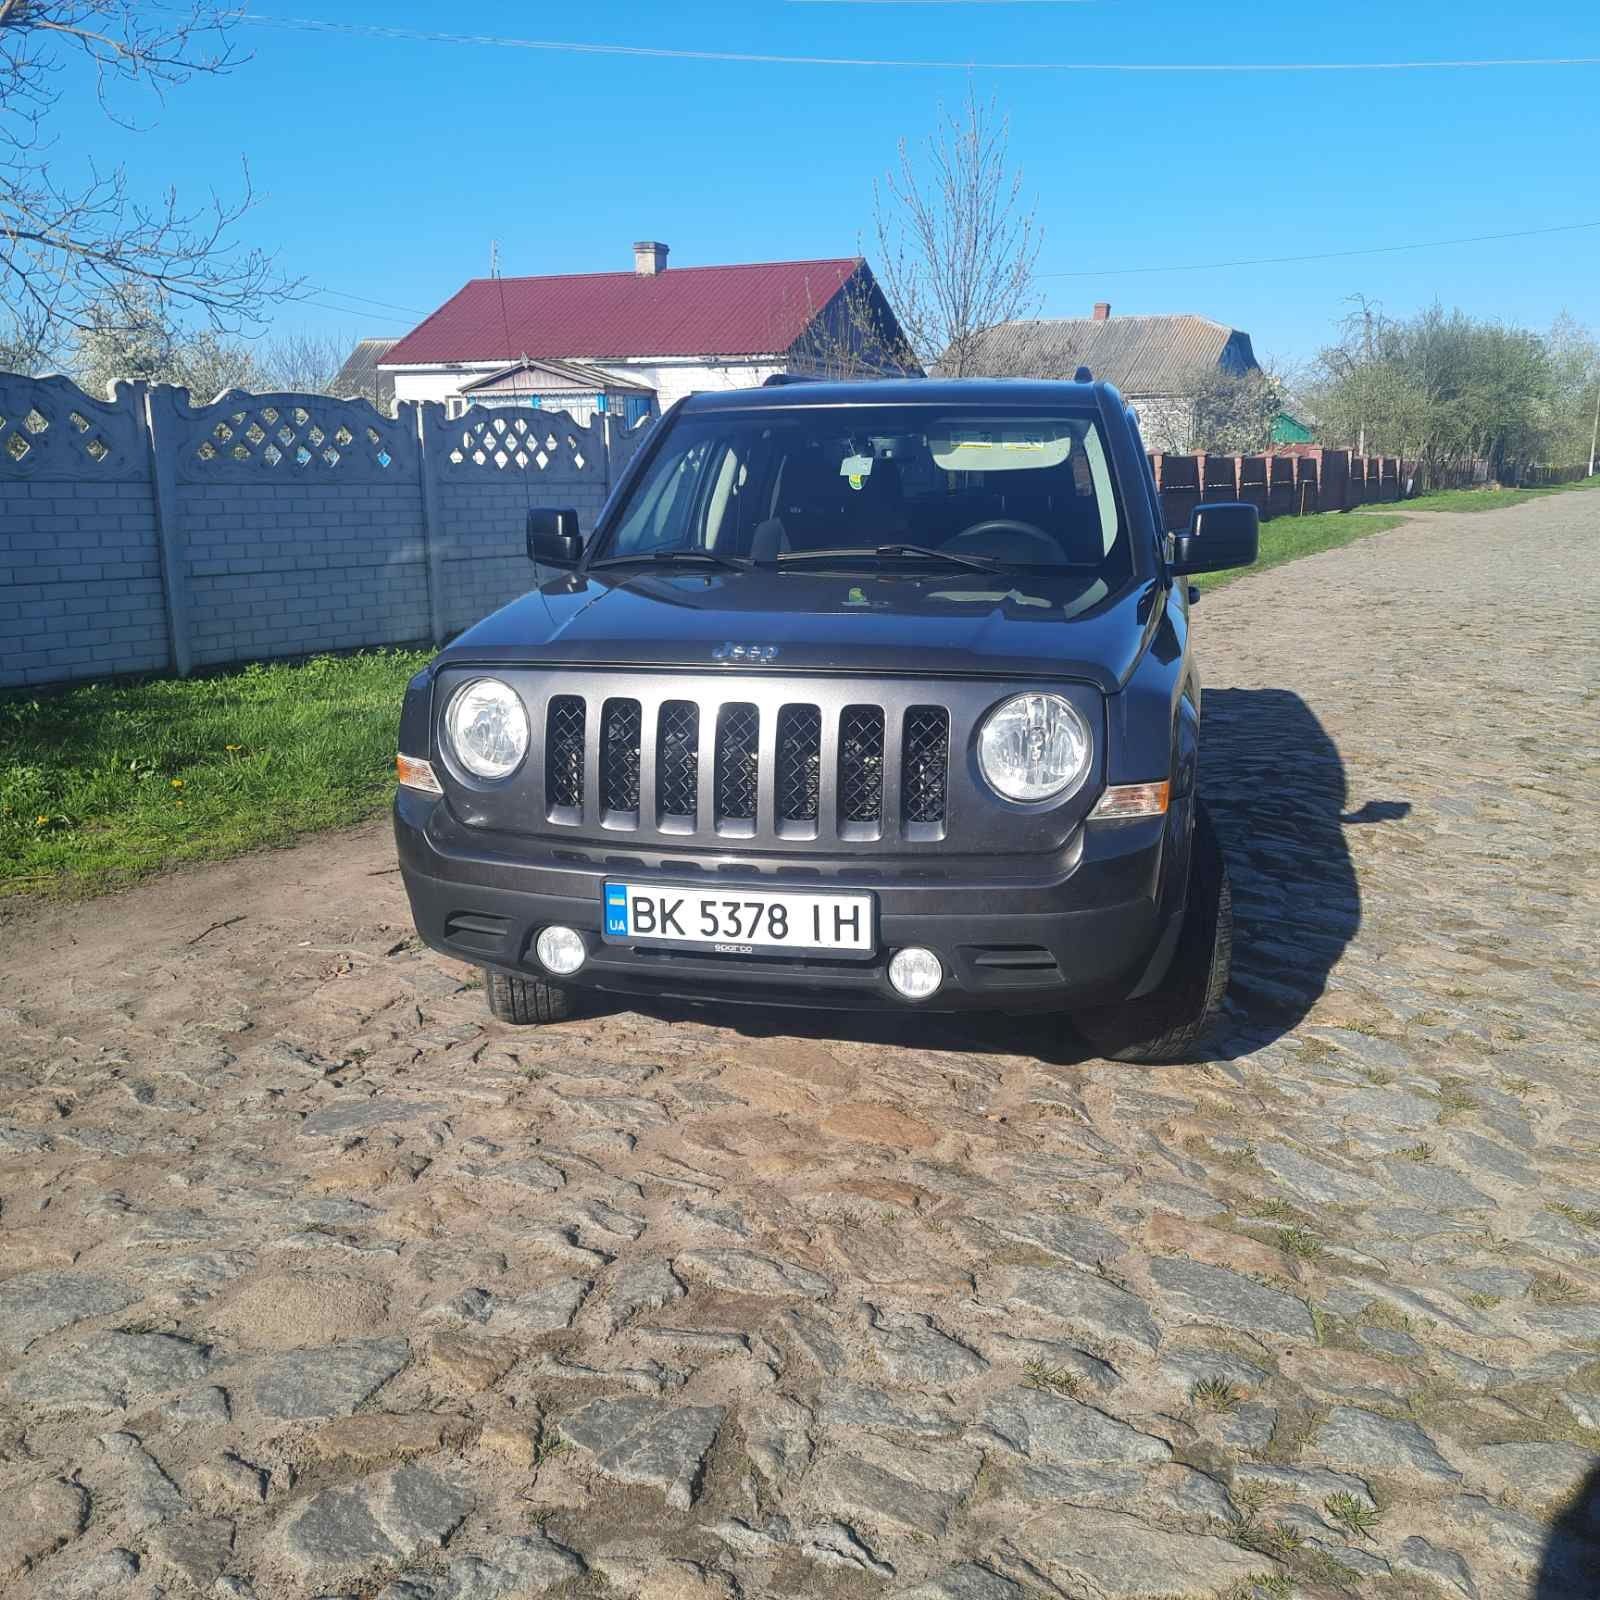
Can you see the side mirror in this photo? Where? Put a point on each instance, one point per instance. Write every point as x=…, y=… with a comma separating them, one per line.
x=553, y=538
x=1225, y=533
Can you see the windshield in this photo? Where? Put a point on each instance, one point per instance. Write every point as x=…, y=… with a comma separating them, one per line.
x=1019, y=490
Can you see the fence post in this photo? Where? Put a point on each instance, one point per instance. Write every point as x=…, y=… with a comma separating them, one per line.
x=432, y=527
x=158, y=407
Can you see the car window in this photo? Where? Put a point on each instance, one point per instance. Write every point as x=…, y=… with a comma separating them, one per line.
x=660, y=516
x=1028, y=489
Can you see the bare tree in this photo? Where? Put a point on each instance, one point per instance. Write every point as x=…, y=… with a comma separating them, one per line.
x=70, y=243
x=855, y=335
x=28, y=342
x=303, y=363
x=957, y=242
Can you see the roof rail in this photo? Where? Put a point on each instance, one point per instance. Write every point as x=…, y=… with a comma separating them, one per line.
x=1083, y=375
x=779, y=380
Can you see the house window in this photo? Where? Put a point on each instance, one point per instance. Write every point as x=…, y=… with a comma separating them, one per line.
x=454, y=407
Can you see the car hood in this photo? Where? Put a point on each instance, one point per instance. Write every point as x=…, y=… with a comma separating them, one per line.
x=936, y=624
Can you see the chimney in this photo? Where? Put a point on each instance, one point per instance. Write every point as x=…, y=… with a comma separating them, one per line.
x=649, y=257
x=1102, y=308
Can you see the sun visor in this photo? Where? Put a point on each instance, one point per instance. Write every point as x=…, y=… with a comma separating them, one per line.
x=1016, y=444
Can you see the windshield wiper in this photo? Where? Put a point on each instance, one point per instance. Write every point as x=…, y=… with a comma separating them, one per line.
x=921, y=551
x=669, y=558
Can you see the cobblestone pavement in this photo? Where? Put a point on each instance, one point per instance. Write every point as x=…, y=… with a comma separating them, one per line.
x=316, y=1281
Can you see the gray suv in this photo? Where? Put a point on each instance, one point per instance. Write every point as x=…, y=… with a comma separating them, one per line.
x=864, y=695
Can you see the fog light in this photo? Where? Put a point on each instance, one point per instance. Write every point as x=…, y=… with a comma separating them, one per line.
x=915, y=972
x=560, y=950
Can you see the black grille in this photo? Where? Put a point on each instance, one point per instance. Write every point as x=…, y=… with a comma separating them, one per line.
x=799, y=763
x=925, y=760
x=861, y=764
x=563, y=751
x=678, y=758
x=619, y=756
x=738, y=727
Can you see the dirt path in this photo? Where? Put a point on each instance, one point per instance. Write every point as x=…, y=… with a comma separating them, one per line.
x=313, y=1280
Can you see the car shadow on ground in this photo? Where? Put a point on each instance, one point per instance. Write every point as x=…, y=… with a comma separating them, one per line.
x=1275, y=784
x=1570, y=1566
x=1278, y=792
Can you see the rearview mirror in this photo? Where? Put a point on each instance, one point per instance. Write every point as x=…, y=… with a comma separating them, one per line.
x=1225, y=533
x=553, y=538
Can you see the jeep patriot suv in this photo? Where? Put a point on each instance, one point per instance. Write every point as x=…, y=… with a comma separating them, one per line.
x=867, y=694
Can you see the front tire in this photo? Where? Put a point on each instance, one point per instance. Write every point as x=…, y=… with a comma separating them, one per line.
x=1165, y=1026
x=527, y=1001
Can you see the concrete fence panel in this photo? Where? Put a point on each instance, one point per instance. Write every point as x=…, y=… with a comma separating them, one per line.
x=300, y=521
x=81, y=590
x=492, y=468
x=146, y=533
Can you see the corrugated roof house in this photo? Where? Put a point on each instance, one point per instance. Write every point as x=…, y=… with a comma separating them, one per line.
x=360, y=379
x=670, y=331
x=1156, y=362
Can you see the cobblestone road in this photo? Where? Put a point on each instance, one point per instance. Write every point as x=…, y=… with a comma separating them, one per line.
x=315, y=1281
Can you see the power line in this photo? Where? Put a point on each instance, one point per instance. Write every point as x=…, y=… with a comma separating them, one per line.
x=753, y=58
x=1322, y=255
x=315, y=289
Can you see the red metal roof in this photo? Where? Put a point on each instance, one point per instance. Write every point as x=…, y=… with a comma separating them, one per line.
x=756, y=309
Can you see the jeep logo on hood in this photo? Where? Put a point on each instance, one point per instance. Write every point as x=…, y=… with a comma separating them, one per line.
x=745, y=652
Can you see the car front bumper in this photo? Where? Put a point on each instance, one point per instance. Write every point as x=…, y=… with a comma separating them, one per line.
x=1094, y=924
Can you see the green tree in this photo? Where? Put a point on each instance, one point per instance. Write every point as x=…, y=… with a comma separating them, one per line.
x=1234, y=411
x=1444, y=390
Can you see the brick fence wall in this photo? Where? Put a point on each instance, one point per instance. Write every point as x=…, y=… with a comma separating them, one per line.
x=147, y=534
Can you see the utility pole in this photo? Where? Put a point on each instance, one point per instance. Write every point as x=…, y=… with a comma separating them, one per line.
x=1594, y=437
x=1366, y=317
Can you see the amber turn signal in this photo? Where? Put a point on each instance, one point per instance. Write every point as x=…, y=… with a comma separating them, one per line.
x=416, y=774
x=1126, y=800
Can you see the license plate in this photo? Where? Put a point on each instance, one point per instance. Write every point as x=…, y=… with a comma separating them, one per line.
x=738, y=921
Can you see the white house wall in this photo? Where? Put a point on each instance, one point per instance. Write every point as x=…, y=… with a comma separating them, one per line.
x=671, y=379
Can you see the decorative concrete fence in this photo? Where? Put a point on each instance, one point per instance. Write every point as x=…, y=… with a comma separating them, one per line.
x=148, y=534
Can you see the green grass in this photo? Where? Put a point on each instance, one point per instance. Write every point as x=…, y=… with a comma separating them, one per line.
x=1493, y=499
x=1288, y=538
x=1057, y=1380
x=104, y=783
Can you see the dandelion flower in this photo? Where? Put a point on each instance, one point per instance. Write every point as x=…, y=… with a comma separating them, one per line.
x=177, y=783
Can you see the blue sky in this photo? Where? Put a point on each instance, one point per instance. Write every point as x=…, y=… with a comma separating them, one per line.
x=388, y=165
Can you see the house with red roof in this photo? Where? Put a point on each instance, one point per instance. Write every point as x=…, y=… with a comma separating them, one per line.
x=637, y=341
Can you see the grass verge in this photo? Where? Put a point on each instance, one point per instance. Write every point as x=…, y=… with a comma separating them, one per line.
x=1490, y=499
x=105, y=783
x=1288, y=538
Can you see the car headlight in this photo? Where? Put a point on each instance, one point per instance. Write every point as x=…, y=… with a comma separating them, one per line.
x=1034, y=747
x=487, y=728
